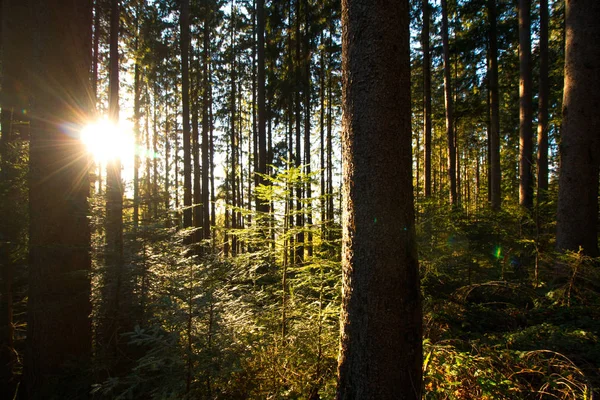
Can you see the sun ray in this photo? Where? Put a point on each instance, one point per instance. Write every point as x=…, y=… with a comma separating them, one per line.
x=107, y=141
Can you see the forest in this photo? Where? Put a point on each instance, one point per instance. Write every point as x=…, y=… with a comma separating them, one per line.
x=299, y=199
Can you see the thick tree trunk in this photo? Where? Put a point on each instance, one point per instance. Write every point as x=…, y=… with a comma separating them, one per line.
x=577, y=218
x=14, y=98
x=59, y=308
x=494, y=106
x=381, y=350
x=525, y=107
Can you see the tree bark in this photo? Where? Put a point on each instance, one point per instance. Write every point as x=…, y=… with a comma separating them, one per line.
x=426, y=96
x=542, y=132
x=525, y=107
x=307, y=126
x=185, y=97
x=109, y=327
x=494, y=105
x=16, y=43
x=59, y=307
x=448, y=100
x=205, y=135
x=261, y=88
x=577, y=217
x=381, y=350
x=136, y=121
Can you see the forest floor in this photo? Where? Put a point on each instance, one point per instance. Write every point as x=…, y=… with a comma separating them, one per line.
x=504, y=316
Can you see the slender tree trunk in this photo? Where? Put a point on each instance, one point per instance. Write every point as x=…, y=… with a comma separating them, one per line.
x=233, y=137
x=185, y=96
x=330, y=208
x=299, y=249
x=322, y=70
x=148, y=177
x=213, y=220
x=261, y=89
x=542, y=132
x=494, y=107
x=205, y=133
x=381, y=339
x=252, y=172
x=449, y=107
x=111, y=329
x=59, y=236
x=178, y=219
x=307, y=127
x=427, y=110
x=156, y=117
x=95, y=48
x=167, y=161
x=525, y=107
x=577, y=217
x=196, y=140
x=136, y=124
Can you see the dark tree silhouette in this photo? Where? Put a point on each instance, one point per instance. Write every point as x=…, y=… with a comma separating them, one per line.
x=59, y=327
x=577, y=219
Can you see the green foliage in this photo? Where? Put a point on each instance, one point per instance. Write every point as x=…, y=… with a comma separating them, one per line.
x=504, y=316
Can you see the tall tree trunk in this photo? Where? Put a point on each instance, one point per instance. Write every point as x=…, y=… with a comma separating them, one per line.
x=381, y=340
x=176, y=182
x=494, y=106
x=205, y=134
x=96, y=48
x=577, y=217
x=185, y=97
x=525, y=107
x=449, y=102
x=542, y=132
x=261, y=89
x=213, y=219
x=136, y=122
x=307, y=128
x=59, y=327
x=299, y=249
x=427, y=110
x=16, y=42
x=110, y=328
x=233, y=137
x=98, y=9
x=156, y=117
x=329, y=139
x=167, y=160
x=196, y=141
x=323, y=205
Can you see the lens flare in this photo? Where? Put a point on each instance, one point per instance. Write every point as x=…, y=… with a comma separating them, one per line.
x=108, y=141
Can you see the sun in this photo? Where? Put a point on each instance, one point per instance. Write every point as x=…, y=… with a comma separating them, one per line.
x=107, y=141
